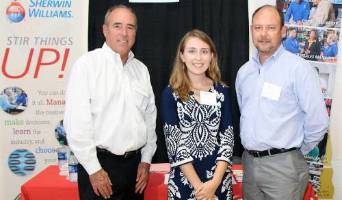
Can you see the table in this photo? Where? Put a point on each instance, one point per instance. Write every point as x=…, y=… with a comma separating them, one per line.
x=156, y=187
x=49, y=185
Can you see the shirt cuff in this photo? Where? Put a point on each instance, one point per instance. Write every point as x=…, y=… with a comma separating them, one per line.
x=92, y=167
x=147, y=152
x=224, y=159
x=176, y=164
x=145, y=157
x=306, y=148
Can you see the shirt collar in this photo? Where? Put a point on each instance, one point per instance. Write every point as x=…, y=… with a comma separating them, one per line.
x=116, y=55
x=275, y=55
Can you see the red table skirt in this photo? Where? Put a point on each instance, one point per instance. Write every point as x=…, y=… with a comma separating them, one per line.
x=48, y=185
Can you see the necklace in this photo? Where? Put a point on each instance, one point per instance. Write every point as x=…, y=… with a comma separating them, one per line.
x=195, y=91
x=203, y=87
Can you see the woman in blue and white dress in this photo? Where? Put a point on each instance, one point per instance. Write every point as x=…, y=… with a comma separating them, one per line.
x=196, y=117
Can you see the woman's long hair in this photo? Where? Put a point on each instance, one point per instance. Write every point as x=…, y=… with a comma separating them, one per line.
x=179, y=79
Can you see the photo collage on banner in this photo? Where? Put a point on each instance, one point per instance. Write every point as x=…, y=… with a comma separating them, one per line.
x=313, y=32
x=39, y=42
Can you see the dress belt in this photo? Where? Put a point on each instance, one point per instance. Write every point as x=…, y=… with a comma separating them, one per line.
x=128, y=154
x=269, y=152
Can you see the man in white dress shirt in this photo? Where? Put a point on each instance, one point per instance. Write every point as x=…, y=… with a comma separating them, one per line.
x=110, y=114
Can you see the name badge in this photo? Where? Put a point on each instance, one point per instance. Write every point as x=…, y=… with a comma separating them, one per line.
x=208, y=98
x=271, y=91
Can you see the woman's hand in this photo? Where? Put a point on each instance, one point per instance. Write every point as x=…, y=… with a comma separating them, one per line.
x=207, y=190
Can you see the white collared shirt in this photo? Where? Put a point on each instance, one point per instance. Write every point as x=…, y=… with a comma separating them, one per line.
x=109, y=105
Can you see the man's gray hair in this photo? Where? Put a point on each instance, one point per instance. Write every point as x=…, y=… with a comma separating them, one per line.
x=110, y=9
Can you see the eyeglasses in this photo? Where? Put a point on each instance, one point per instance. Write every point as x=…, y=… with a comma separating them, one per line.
x=268, y=28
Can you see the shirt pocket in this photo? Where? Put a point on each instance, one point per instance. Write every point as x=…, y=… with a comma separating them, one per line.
x=286, y=103
x=140, y=95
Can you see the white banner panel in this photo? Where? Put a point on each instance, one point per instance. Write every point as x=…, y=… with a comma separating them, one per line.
x=39, y=41
x=335, y=131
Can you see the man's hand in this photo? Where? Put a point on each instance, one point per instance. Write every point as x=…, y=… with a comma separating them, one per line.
x=142, y=177
x=101, y=184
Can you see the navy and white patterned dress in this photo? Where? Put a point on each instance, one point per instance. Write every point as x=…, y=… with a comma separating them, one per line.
x=200, y=134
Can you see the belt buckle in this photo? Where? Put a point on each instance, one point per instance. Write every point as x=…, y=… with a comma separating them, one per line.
x=126, y=155
x=269, y=152
x=129, y=154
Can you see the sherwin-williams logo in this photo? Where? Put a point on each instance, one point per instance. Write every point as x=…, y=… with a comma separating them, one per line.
x=15, y=12
x=57, y=9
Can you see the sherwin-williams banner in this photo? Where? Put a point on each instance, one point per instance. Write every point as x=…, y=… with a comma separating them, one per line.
x=39, y=41
x=313, y=33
